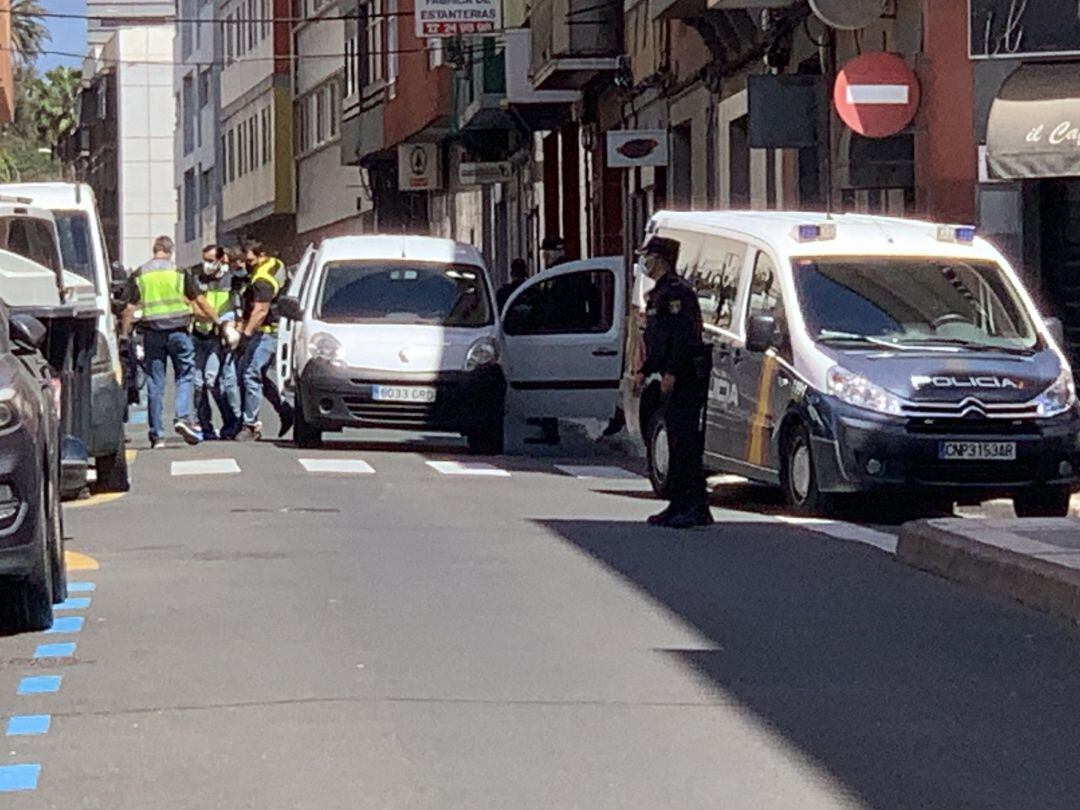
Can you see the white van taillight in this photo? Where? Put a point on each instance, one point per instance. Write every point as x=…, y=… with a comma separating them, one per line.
x=956, y=234
x=57, y=391
x=815, y=233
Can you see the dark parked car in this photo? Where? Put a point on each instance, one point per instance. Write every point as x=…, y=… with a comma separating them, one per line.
x=32, y=574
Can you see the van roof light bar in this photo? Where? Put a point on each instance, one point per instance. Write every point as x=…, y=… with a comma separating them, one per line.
x=956, y=234
x=815, y=233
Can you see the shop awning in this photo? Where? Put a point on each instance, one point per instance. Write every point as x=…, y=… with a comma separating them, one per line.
x=1034, y=127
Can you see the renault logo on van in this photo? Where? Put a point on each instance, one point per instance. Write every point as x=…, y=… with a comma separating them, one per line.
x=920, y=382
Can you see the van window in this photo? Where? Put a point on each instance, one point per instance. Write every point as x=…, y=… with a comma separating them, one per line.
x=73, y=228
x=404, y=293
x=33, y=239
x=711, y=265
x=570, y=304
x=766, y=298
x=912, y=301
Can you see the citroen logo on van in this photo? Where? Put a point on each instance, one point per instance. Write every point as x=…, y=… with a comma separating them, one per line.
x=921, y=381
x=403, y=356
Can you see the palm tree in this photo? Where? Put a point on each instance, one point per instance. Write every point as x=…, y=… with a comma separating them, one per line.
x=52, y=101
x=28, y=33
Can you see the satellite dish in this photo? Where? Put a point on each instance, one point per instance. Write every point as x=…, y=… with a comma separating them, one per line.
x=848, y=15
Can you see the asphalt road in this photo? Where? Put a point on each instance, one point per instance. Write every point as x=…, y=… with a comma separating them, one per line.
x=278, y=637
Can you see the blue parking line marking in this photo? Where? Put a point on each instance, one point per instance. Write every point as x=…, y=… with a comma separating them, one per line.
x=66, y=624
x=26, y=724
x=55, y=650
x=39, y=684
x=74, y=603
x=80, y=587
x=138, y=418
x=19, y=777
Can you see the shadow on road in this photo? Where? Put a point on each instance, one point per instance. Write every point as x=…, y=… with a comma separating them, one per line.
x=911, y=691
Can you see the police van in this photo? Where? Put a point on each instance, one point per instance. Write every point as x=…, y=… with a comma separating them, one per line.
x=856, y=353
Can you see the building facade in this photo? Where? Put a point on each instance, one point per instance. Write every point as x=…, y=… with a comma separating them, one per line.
x=255, y=127
x=196, y=88
x=331, y=198
x=7, y=86
x=125, y=138
x=106, y=17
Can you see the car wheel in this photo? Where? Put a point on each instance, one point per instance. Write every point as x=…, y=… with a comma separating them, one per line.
x=112, y=472
x=658, y=455
x=28, y=602
x=305, y=434
x=488, y=439
x=1042, y=502
x=798, y=476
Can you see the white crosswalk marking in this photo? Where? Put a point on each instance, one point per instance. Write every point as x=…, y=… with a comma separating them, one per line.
x=340, y=466
x=206, y=466
x=598, y=472
x=467, y=468
x=845, y=531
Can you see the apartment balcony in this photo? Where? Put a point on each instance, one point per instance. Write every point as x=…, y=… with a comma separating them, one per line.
x=481, y=91
x=573, y=41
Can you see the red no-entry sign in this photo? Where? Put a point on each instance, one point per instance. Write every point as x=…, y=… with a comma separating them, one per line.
x=876, y=94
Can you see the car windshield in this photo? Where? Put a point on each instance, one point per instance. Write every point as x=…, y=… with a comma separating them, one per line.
x=912, y=302
x=404, y=293
x=75, y=245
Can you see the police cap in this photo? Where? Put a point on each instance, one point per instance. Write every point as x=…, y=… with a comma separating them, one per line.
x=663, y=248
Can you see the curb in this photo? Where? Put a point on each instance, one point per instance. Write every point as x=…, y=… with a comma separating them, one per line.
x=992, y=569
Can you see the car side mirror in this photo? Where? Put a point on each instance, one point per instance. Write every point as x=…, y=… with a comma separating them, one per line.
x=289, y=306
x=760, y=333
x=1056, y=329
x=118, y=274
x=27, y=330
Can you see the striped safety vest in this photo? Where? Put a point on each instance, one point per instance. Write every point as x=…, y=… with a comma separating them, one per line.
x=269, y=270
x=218, y=295
x=161, y=296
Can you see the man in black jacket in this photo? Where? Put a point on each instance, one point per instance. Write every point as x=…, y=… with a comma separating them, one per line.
x=674, y=349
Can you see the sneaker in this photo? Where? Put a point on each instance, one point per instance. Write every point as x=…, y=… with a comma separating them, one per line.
x=157, y=443
x=210, y=436
x=188, y=433
x=249, y=433
x=287, y=417
x=693, y=518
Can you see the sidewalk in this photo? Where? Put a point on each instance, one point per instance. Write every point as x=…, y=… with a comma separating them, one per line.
x=1034, y=561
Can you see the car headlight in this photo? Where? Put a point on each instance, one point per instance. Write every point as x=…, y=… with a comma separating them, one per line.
x=326, y=347
x=483, y=352
x=1059, y=397
x=856, y=390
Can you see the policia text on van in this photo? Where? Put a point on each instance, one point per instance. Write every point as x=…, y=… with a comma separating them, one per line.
x=861, y=353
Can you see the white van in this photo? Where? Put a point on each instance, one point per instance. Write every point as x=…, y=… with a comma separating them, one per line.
x=402, y=332
x=83, y=252
x=857, y=353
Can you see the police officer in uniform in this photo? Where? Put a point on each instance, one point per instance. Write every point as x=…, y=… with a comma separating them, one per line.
x=167, y=297
x=215, y=365
x=674, y=349
x=259, y=330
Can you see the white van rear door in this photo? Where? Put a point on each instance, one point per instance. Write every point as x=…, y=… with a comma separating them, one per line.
x=562, y=339
x=287, y=328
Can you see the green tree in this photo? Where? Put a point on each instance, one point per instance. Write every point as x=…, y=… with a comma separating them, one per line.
x=52, y=104
x=28, y=33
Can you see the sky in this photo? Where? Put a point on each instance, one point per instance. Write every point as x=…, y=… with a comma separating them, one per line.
x=67, y=35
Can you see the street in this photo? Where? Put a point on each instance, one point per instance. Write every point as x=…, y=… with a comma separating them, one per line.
x=513, y=636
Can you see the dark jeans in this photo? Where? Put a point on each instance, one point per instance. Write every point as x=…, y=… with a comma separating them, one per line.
x=162, y=347
x=686, y=443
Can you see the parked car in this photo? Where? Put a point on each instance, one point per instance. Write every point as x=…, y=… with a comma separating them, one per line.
x=402, y=332
x=31, y=517
x=859, y=354
x=82, y=250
